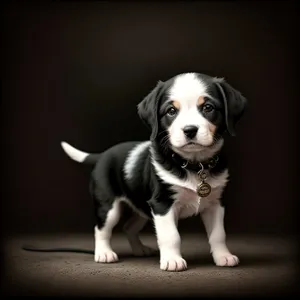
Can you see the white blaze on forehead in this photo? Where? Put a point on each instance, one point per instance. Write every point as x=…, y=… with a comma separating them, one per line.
x=187, y=88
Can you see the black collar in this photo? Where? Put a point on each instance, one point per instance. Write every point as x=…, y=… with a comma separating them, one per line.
x=195, y=166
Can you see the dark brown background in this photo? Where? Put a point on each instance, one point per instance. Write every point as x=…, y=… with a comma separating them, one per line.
x=76, y=71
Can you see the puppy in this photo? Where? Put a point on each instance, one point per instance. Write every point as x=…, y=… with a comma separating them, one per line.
x=181, y=171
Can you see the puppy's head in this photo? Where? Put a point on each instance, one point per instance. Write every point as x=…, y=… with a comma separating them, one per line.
x=191, y=111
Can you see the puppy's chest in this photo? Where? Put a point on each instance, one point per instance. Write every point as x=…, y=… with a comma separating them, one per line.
x=188, y=202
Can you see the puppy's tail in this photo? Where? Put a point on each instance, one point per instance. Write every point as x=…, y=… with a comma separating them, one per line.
x=79, y=156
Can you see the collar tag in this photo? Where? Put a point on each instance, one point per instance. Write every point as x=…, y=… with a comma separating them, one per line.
x=203, y=188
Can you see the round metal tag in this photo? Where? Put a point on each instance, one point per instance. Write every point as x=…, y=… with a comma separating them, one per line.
x=203, y=189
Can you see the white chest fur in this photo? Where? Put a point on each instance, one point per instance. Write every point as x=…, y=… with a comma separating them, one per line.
x=187, y=202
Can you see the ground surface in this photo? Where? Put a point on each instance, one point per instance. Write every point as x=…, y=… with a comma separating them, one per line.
x=267, y=265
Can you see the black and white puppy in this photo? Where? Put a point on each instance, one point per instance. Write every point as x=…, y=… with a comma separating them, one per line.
x=188, y=116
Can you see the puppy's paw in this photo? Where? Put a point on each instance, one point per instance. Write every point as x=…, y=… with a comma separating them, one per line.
x=144, y=251
x=107, y=256
x=173, y=264
x=225, y=259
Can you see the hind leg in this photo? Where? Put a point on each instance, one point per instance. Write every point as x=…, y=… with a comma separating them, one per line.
x=107, y=220
x=132, y=229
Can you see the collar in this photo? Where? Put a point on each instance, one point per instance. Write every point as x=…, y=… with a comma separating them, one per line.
x=195, y=166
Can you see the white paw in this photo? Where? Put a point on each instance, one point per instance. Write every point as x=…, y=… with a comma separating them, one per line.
x=144, y=251
x=225, y=260
x=107, y=256
x=173, y=264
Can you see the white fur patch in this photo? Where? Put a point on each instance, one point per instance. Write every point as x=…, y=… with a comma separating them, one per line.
x=103, y=250
x=133, y=157
x=187, y=87
x=74, y=153
x=213, y=219
x=168, y=240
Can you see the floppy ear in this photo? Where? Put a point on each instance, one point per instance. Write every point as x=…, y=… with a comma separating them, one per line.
x=148, y=109
x=234, y=105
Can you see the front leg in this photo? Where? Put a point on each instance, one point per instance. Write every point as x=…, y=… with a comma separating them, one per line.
x=213, y=219
x=168, y=240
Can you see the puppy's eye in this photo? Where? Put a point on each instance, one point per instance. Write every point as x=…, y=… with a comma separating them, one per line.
x=172, y=111
x=207, y=107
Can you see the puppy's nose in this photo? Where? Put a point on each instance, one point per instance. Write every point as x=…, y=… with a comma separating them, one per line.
x=190, y=131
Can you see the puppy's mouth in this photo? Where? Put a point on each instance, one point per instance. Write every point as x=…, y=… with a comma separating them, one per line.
x=192, y=146
x=196, y=146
